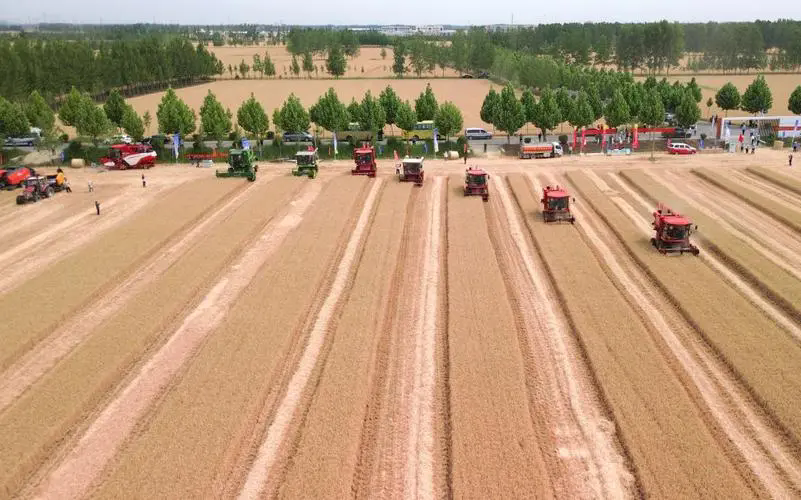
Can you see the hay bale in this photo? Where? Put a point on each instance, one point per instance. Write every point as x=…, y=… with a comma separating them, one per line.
x=451, y=155
x=77, y=163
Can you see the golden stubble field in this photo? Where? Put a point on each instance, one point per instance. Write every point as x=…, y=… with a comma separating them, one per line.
x=352, y=336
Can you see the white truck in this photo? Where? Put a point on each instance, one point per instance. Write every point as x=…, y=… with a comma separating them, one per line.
x=540, y=150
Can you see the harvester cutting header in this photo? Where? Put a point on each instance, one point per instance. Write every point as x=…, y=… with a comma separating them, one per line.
x=673, y=232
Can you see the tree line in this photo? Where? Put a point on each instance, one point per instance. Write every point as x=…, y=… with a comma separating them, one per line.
x=54, y=67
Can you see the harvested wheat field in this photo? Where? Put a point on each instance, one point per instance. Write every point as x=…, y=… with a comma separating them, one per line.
x=347, y=336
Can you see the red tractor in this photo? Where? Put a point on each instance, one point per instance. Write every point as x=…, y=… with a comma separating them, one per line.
x=556, y=205
x=475, y=183
x=15, y=177
x=673, y=232
x=365, y=161
x=122, y=156
x=35, y=188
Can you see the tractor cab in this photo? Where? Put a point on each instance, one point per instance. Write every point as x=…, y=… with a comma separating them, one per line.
x=365, y=161
x=411, y=170
x=306, y=163
x=556, y=205
x=475, y=183
x=673, y=232
x=241, y=163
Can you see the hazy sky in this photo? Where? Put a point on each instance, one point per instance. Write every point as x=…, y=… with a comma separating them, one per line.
x=384, y=12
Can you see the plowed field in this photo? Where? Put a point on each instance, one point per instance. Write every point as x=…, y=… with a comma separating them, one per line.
x=355, y=337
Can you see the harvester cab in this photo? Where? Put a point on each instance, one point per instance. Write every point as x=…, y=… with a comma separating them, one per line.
x=306, y=163
x=556, y=205
x=411, y=170
x=365, y=161
x=240, y=164
x=475, y=183
x=673, y=232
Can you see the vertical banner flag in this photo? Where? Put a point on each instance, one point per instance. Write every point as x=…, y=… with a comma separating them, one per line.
x=245, y=143
x=583, y=137
x=436, y=144
x=795, y=129
x=635, y=139
x=574, y=139
x=335, y=143
x=176, y=143
x=603, y=136
x=425, y=147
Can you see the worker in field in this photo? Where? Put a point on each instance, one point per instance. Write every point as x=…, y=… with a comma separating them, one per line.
x=790, y=159
x=97, y=207
x=91, y=186
x=144, y=182
x=59, y=177
x=67, y=187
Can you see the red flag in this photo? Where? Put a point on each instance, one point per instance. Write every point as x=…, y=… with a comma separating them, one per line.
x=603, y=137
x=396, y=154
x=574, y=138
x=635, y=142
x=583, y=137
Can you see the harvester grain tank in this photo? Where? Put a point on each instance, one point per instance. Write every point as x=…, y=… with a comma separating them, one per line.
x=540, y=150
x=241, y=163
x=556, y=205
x=673, y=232
x=475, y=183
x=365, y=161
x=306, y=163
x=411, y=170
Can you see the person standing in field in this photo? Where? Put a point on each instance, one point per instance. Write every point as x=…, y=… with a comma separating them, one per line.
x=144, y=182
x=790, y=159
x=97, y=207
x=91, y=186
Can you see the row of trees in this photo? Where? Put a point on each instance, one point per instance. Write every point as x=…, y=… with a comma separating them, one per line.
x=53, y=67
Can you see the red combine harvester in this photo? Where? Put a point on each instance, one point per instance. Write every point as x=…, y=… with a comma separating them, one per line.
x=14, y=177
x=123, y=156
x=556, y=205
x=475, y=183
x=673, y=232
x=365, y=161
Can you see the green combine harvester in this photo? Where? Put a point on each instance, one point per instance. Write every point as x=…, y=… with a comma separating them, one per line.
x=307, y=163
x=240, y=164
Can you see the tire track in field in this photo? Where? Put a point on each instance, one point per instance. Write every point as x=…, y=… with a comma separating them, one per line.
x=34, y=364
x=590, y=463
x=761, y=447
x=259, y=476
x=81, y=227
x=708, y=257
x=787, y=261
x=73, y=477
x=782, y=196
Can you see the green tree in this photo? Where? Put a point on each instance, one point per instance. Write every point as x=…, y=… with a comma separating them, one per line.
x=399, y=58
x=93, y=121
x=565, y=103
x=329, y=112
x=794, y=103
x=603, y=51
x=215, y=120
x=491, y=107
x=695, y=89
x=132, y=124
x=308, y=63
x=417, y=55
x=581, y=113
x=688, y=113
x=426, y=105
x=114, y=107
x=267, y=65
x=383, y=53
x=390, y=102
x=481, y=52
x=258, y=66
x=244, y=68
x=293, y=117
x=617, y=112
x=295, y=66
x=548, y=115
x=757, y=98
x=174, y=116
x=448, y=120
x=652, y=112
x=355, y=111
x=529, y=104
x=459, y=51
x=252, y=118
x=727, y=97
x=335, y=64
x=39, y=113
x=372, y=115
x=510, y=112
x=13, y=122
x=71, y=109
x=406, y=118
x=594, y=97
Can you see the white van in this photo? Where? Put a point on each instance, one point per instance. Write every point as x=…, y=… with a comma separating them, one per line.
x=476, y=134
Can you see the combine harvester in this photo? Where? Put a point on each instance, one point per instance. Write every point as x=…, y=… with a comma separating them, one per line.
x=306, y=163
x=556, y=205
x=364, y=158
x=124, y=156
x=14, y=177
x=475, y=183
x=411, y=170
x=673, y=232
x=240, y=164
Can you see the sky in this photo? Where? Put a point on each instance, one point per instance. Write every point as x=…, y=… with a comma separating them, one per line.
x=460, y=12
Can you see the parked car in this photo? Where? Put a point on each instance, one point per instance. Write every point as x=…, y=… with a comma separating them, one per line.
x=120, y=139
x=298, y=137
x=680, y=148
x=678, y=133
x=21, y=141
x=477, y=134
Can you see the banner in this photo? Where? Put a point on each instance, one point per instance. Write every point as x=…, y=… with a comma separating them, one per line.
x=335, y=144
x=245, y=143
x=574, y=138
x=603, y=137
x=583, y=137
x=635, y=138
x=176, y=143
x=436, y=144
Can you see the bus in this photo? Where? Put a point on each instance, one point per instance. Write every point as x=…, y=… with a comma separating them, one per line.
x=356, y=133
x=422, y=130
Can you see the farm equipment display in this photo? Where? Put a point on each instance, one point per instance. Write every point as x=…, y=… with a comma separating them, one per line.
x=365, y=161
x=35, y=188
x=240, y=164
x=556, y=205
x=15, y=177
x=306, y=163
x=673, y=232
x=475, y=183
x=124, y=156
x=411, y=170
